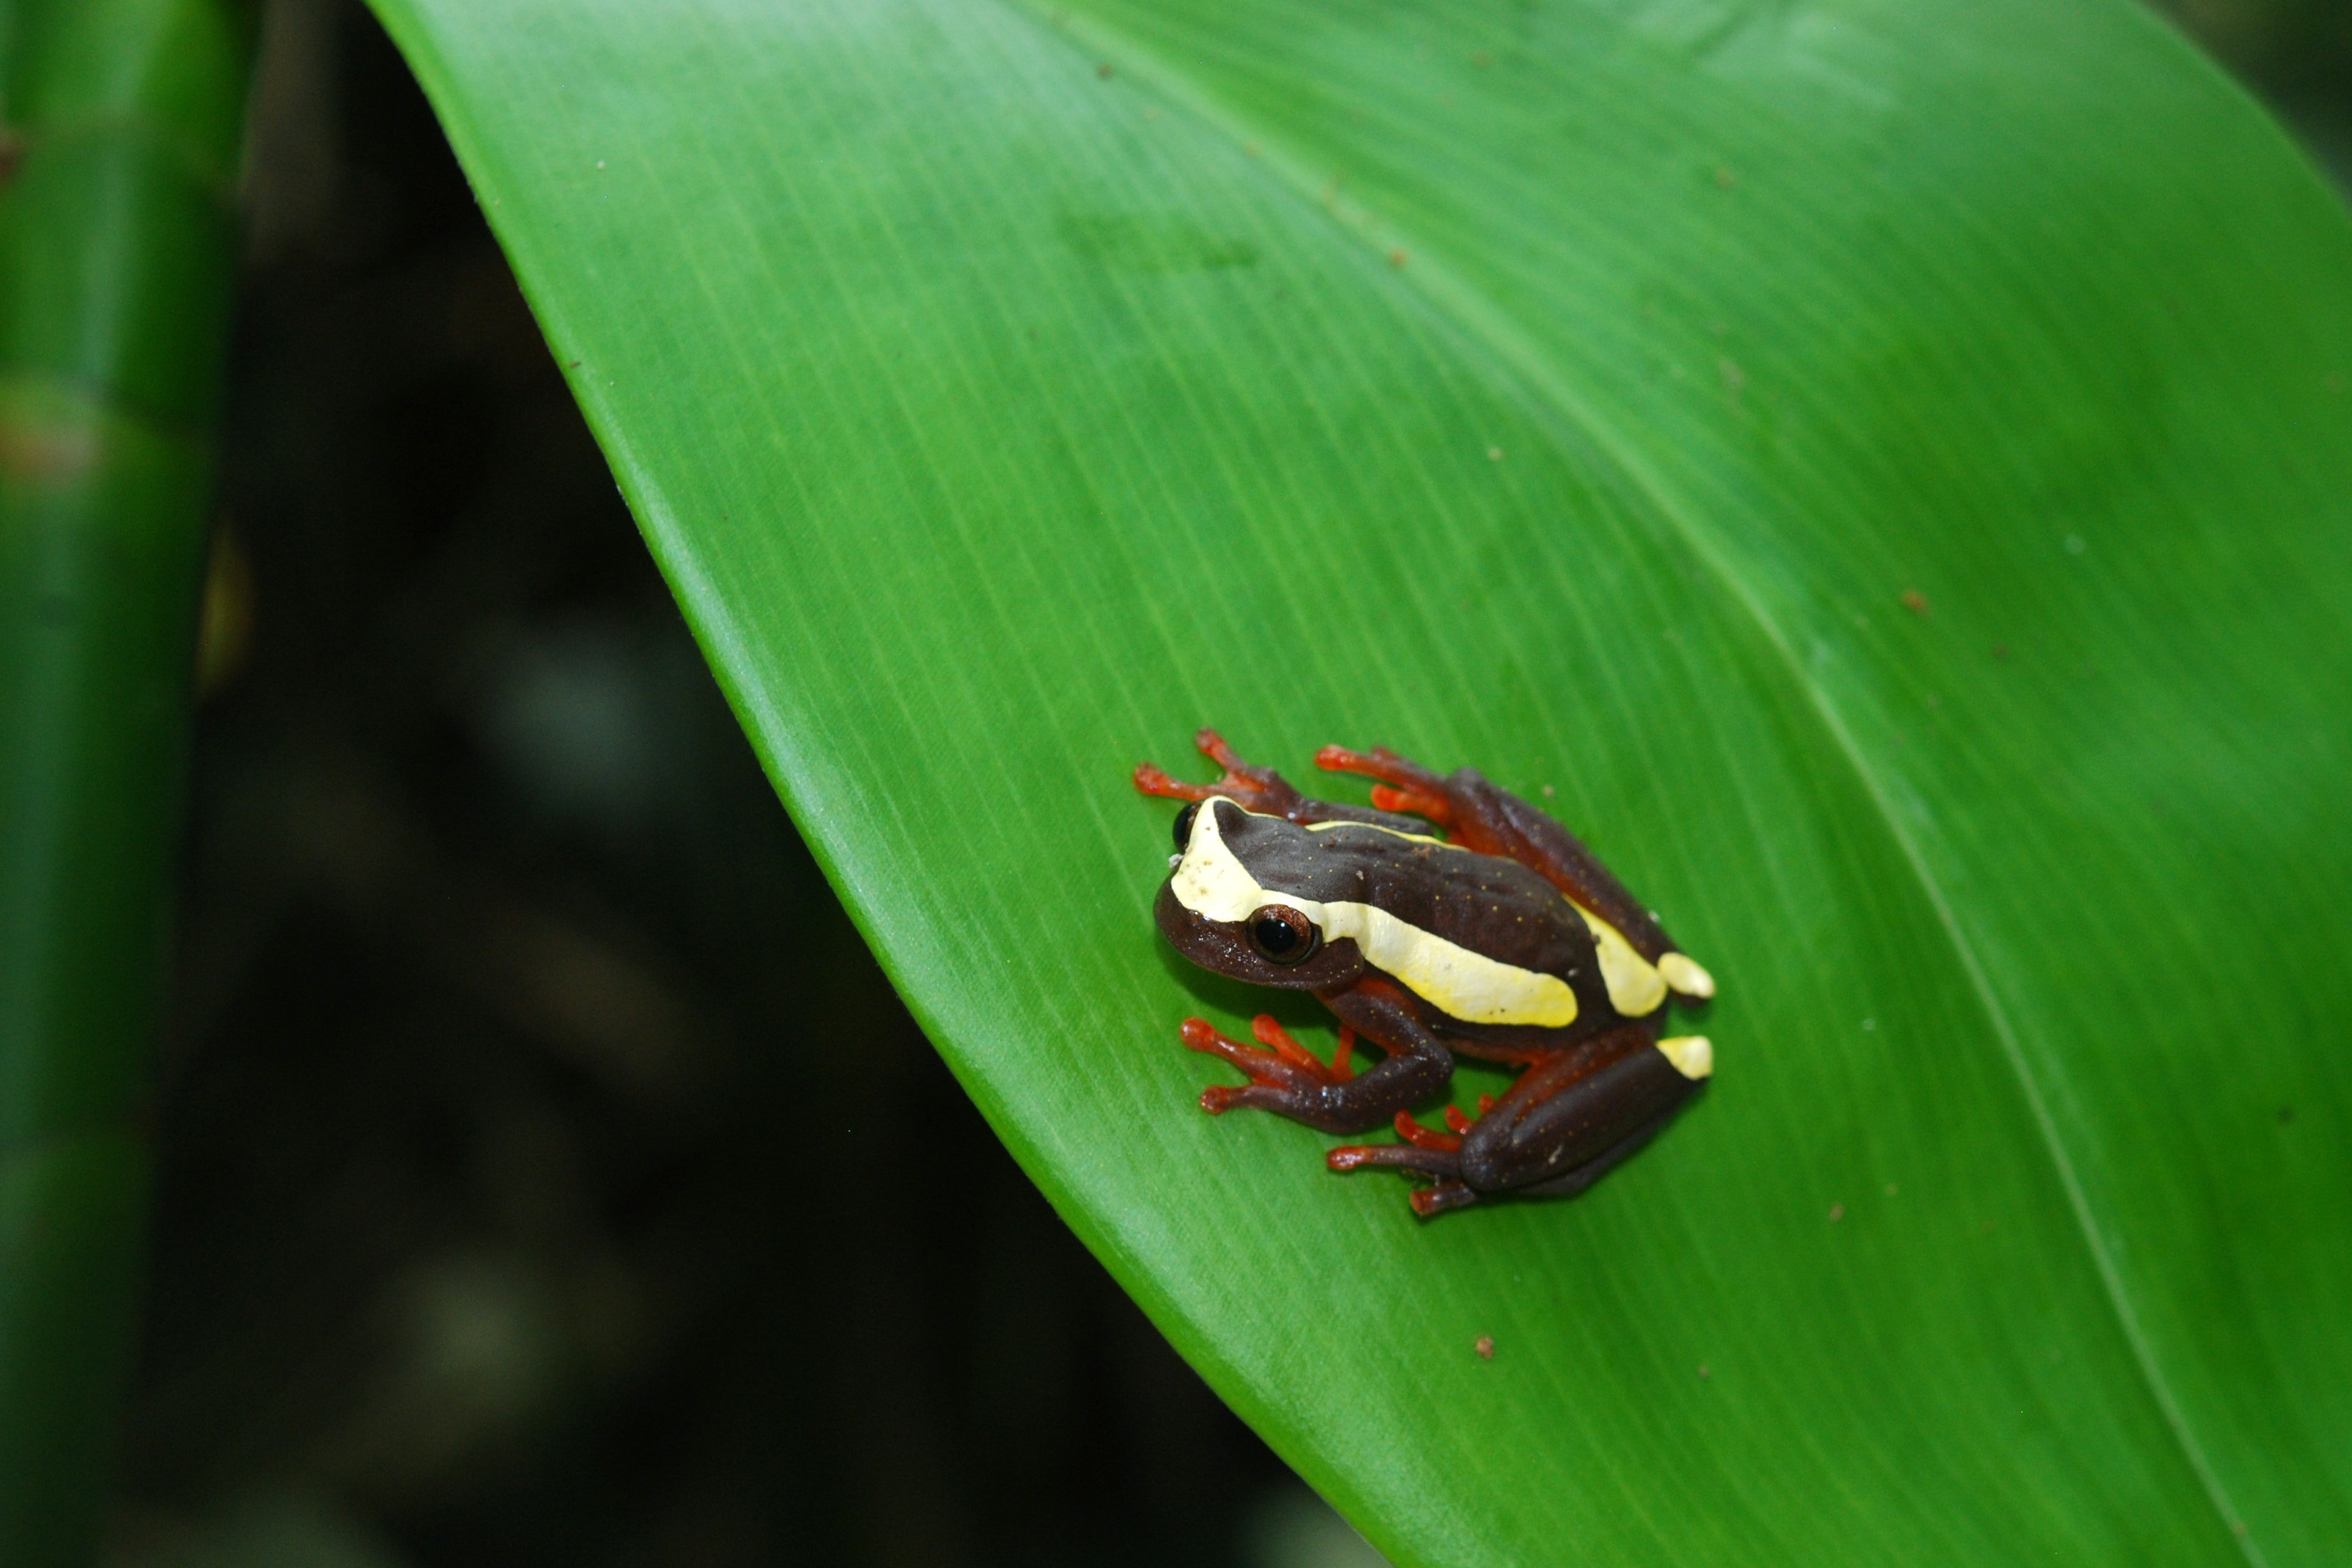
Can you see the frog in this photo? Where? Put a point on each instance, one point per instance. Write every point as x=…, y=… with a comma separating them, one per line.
x=1450, y=919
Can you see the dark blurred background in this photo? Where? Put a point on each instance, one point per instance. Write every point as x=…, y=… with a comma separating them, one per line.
x=518, y=1045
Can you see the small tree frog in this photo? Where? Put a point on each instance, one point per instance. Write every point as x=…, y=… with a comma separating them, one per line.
x=1510, y=942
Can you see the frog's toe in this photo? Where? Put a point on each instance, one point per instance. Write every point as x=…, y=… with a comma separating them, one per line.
x=1292, y=1071
x=1258, y=789
x=1270, y=1033
x=1443, y=1165
x=1220, y=1098
x=1405, y=785
x=1410, y=1157
x=1447, y=1193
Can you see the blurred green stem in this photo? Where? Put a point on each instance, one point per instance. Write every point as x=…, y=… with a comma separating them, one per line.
x=118, y=138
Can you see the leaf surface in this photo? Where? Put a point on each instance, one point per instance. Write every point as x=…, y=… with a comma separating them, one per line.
x=1879, y=470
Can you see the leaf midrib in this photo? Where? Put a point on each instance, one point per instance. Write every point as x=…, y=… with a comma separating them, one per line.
x=1482, y=322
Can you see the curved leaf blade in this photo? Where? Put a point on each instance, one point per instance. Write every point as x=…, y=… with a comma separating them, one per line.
x=2092, y=556
x=998, y=419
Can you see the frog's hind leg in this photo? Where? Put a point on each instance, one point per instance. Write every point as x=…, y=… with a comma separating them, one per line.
x=1572, y=1118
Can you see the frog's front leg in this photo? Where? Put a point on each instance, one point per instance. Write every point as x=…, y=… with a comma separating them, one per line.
x=1258, y=789
x=1570, y=1120
x=1288, y=1082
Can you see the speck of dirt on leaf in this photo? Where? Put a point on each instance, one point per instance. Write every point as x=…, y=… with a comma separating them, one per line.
x=1916, y=602
x=1725, y=177
x=572, y=364
x=1706, y=1370
x=1890, y=1189
x=2001, y=651
x=1397, y=257
x=1105, y=70
x=2285, y=1114
x=1837, y=1213
x=1549, y=792
x=1485, y=1347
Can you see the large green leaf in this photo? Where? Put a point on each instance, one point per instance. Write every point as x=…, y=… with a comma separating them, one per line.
x=1886, y=468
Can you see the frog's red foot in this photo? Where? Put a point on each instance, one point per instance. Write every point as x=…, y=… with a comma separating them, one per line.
x=1257, y=789
x=1403, y=785
x=1424, y=1154
x=1425, y=1151
x=1277, y=1076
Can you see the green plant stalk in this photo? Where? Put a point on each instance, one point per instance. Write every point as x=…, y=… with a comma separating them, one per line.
x=121, y=122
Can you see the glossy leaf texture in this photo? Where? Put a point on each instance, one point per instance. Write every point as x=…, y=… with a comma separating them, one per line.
x=1882, y=471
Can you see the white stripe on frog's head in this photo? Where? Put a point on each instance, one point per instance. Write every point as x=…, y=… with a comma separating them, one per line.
x=1209, y=878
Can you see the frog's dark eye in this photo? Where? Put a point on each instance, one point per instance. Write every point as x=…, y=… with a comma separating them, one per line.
x=1282, y=934
x=1184, y=825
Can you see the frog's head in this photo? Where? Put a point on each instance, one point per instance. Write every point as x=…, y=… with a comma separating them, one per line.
x=1224, y=906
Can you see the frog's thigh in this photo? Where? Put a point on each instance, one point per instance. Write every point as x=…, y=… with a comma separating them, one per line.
x=1587, y=1107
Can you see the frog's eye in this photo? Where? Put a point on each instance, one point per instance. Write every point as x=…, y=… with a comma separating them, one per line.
x=1282, y=934
x=1184, y=824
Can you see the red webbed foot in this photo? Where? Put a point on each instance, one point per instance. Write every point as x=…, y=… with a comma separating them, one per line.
x=1286, y=1069
x=1403, y=785
x=1425, y=1151
x=1257, y=789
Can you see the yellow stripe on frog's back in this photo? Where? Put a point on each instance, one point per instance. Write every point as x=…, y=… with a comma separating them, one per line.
x=1636, y=987
x=1211, y=881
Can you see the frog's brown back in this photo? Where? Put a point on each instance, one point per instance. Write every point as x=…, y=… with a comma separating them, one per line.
x=1502, y=824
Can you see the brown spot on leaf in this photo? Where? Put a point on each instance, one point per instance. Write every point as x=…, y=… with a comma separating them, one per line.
x=1485, y=1347
x=1916, y=602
